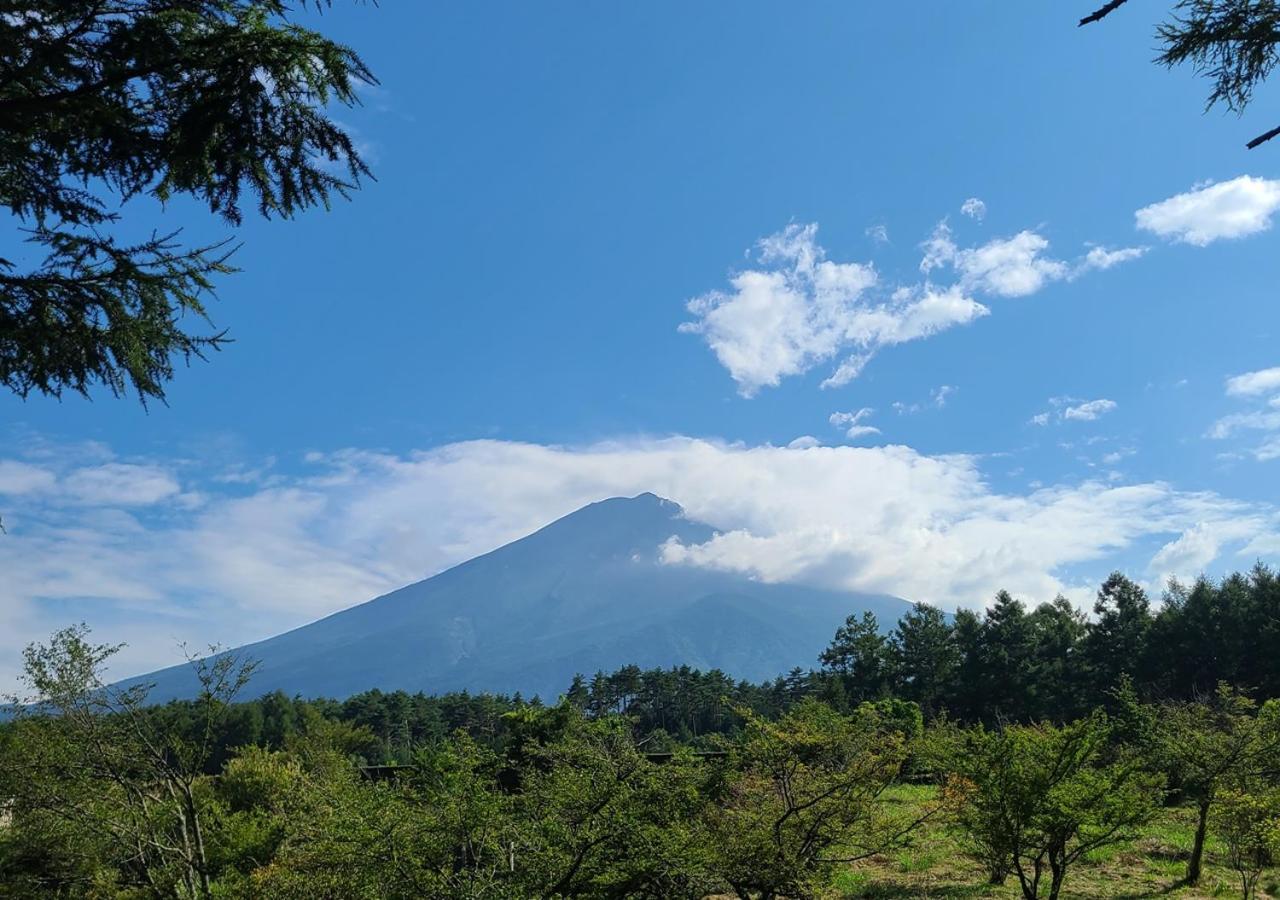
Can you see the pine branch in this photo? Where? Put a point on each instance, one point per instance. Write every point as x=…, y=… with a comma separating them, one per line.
x=1102, y=12
x=1263, y=138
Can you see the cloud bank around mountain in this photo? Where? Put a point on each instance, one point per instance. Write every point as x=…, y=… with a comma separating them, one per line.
x=238, y=559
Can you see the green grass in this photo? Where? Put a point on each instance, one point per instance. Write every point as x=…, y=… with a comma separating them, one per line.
x=934, y=865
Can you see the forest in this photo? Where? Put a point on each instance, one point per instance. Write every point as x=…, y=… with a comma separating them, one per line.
x=1018, y=750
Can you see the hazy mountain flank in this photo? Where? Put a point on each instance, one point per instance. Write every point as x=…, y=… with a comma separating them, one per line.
x=586, y=592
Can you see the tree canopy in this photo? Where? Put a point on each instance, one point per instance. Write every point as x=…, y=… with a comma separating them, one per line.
x=1233, y=43
x=106, y=102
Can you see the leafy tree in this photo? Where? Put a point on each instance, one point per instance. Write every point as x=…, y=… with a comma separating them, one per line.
x=1249, y=823
x=92, y=775
x=220, y=101
x=597, y=819
x=803, y=796
x=1043, y=796
x=1214, y=744
x=1231, y=42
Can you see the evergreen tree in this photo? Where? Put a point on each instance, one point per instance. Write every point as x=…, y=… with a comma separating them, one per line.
x=1231, y=42
x=859, y=656
x=925, y=656
x=1008, y=660
x=103, y=103
x=1058, y=629
x=1116, y=642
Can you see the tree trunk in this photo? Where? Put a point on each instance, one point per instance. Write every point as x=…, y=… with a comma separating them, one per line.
x=1055, y=885
x=1197, y=849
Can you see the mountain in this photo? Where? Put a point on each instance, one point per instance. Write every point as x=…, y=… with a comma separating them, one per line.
x=585, y=593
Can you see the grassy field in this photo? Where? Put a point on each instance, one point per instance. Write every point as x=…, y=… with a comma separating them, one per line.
x=1150, y=866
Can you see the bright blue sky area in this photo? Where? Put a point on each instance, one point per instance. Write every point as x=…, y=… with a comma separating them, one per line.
x=557, y=180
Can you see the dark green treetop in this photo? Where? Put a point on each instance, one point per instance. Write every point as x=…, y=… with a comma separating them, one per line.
x=104, y=102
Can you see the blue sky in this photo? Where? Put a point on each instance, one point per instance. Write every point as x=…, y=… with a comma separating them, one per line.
x=491, y=334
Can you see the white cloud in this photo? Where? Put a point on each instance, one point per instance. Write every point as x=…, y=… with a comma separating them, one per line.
x=1071, y=409
x=1005, y=267
x=878, y=233
x=800, y=309
x=1253, y=386
x=937, y=400
x=1229, y=209
x=794, y=309
x=1009, y=267
x=1099, y=259
x=849, y=422
x=23, y=478
x=122, y=484
x=1088, y=411
x=1187, y=556
x=974, y=209
x=1250, y=384
x=804, y=442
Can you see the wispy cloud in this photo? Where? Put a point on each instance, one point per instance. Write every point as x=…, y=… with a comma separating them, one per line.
x=937, y=400
x=1072, y=409
x=1212, y=212
x=850, y=423
x=1261, y=390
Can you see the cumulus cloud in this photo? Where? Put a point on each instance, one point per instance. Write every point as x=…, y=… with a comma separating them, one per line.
x=793, y=308
x=248, y=564
x=1250, y=384
x=798, y=309
x=974, y=209
x=1186, y=557
x=1016, y=266
x=1211, y=212
x=849, y=422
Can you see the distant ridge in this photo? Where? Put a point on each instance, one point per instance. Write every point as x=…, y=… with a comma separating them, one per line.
x=587, y=592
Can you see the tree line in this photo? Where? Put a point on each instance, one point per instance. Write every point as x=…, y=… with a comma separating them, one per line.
x=1009, y=663
x=103, y=798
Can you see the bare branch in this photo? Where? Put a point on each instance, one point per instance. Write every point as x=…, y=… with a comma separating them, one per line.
x=1102, y=12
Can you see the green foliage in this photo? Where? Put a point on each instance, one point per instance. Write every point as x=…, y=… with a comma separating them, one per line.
x=99, y=794
x=1248, y=821
x=221, y=101
x=859, y=657
x=1215, y=744
x=1035, y=798
x=1230, y=42
x=804, y=795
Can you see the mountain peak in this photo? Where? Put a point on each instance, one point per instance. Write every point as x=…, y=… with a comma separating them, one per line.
x=588, y=592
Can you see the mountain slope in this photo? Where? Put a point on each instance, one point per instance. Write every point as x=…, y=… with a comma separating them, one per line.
x=586, y=592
